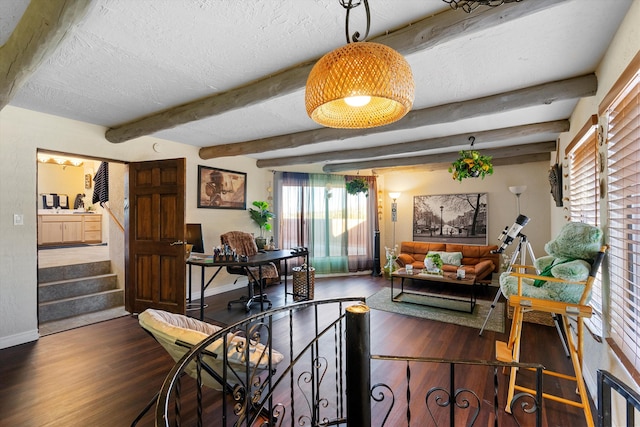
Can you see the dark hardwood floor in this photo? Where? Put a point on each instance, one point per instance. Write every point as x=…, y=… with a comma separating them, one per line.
x=104, y=374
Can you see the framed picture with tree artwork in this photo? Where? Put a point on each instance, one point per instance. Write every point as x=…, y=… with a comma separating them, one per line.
x=451, y=218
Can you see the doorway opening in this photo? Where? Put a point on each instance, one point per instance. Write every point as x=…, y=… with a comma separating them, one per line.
x=81, y=243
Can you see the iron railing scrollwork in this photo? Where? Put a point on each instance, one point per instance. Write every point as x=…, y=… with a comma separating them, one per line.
x=454, y=399
x=325, y=354
x=247, y=394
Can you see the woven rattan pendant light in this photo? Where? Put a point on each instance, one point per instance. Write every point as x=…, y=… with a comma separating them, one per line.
x=360, y=85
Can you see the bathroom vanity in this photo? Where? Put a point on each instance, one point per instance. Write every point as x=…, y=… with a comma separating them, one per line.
x=69, y=228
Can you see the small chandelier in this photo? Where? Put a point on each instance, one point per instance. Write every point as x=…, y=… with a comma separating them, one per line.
x=360, y=85
x=470, y=5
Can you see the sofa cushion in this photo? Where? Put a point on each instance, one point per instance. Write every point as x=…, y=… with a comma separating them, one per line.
x=451, y=258
x=421, y=248
x=472, y=254
x=483, y=269
x=477, y=260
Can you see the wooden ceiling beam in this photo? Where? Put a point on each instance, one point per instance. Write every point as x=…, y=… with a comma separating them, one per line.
x=496, y=153
x=543, y=94
x=43, y=26
x=425, y=34
x=430, y=167
x=494, y=135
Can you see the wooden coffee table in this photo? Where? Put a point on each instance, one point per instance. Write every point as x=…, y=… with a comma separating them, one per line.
x=449, y=302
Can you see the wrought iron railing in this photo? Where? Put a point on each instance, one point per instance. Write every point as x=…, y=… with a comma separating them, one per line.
x=325, y=349
x=607, y=384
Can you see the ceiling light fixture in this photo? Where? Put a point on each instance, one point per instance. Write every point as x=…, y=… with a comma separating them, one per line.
x=360, y=85
x=62, y=161
x=470, y=5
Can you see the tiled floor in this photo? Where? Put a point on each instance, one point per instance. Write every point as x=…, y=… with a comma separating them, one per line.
x=75, y=255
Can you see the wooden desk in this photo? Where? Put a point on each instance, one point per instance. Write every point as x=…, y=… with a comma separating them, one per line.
x=258, y=260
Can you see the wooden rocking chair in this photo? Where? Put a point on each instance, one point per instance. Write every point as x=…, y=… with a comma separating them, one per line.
x=510, y=351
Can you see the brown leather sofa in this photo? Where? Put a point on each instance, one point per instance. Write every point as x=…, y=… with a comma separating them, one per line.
x=476, y=260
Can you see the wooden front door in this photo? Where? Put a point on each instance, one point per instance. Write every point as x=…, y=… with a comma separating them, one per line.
x=155, y=235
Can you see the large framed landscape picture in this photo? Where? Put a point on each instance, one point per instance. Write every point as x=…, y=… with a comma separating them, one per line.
x=451, y=218
x=221, y=189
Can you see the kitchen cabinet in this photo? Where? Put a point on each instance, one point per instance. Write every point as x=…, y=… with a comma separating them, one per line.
x=57, y=229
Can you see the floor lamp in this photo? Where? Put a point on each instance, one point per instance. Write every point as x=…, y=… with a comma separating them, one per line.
x=394, y=214
x=518, y=190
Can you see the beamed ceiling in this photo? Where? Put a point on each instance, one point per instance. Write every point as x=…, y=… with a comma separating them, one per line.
x=228, y=76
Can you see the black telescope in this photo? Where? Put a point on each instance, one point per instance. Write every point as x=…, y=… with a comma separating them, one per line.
x=510, y=233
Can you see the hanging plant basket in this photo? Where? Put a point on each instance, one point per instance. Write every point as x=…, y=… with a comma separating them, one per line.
x=358, y=185
x=471, y=164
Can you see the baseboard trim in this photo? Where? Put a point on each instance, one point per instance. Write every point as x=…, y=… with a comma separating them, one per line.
x=17, y=339
x=195, y=294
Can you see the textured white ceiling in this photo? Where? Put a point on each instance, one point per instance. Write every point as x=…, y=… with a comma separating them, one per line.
x=131, y=58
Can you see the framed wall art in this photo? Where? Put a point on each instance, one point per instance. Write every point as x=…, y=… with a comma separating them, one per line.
x=221, y=189
x=451, y=218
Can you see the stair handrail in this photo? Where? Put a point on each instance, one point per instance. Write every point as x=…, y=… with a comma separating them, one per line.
x=106, y=207
x=171, y=383
x=607, y=382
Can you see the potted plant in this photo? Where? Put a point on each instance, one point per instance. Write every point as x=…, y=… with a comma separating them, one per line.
x=390, y=266
x=471, y=164
x=261, y=216
x=358, y=185
x=433, y=263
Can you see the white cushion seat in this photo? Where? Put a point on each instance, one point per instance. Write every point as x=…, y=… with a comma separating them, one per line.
x=178, y=333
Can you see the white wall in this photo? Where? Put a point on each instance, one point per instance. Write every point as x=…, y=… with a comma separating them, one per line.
x=55, y=178
x=535, y=202
x=22, y=133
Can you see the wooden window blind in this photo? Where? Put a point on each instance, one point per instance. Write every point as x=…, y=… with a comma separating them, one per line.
x=624, y=218
x=584, y=196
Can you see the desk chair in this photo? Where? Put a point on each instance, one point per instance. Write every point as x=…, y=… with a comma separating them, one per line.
x=177, y=334
x=530, y=298
x=245, y=244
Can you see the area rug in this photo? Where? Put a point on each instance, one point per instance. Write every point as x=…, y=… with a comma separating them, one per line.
x=381, y=300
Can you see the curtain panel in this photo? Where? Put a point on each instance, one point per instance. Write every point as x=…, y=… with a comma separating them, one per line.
x=315, y=211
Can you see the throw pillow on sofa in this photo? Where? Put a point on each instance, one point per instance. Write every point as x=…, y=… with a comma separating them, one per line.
x=451, y=258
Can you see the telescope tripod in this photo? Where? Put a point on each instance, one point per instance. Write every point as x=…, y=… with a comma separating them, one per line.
x=523, y=242
x=521, y=250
